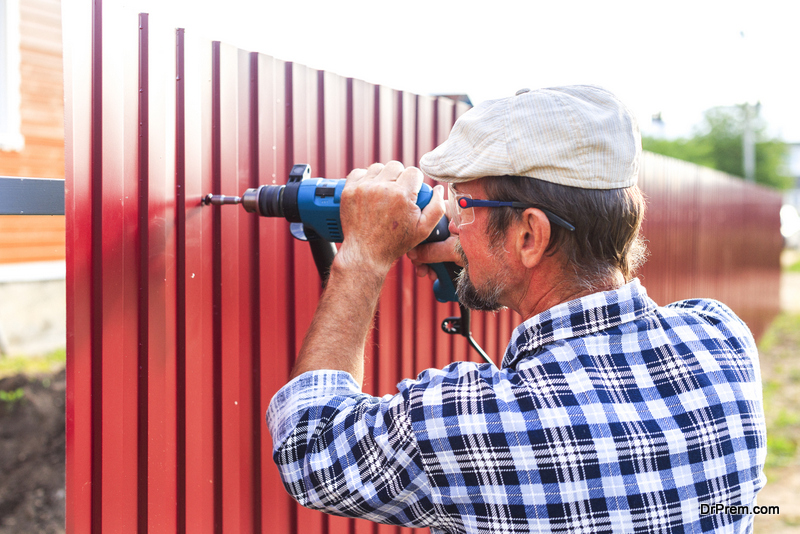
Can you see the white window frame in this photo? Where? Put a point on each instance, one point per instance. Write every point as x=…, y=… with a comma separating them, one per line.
x=11, y=138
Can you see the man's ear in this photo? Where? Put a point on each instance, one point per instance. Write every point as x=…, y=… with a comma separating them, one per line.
x=533, y=236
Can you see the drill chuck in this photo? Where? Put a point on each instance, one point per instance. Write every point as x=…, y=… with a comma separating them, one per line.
x=265, y=200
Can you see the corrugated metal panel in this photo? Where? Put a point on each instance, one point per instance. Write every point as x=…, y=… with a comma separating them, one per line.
x=184, y=320
x=711, y=235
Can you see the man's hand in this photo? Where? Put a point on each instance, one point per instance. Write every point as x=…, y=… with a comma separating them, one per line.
x=439, y=252
x=380, y=218
x=380, y=222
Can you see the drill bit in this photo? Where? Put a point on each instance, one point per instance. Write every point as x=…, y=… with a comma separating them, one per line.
x=219, y=200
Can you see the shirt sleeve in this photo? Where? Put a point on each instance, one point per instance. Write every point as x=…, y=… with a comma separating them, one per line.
x=723, y=321
x=346, y=453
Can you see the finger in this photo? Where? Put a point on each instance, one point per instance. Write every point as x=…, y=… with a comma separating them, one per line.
x=391, y=171
x=356, y=175
x=411, y=179
x=441, y=252
x=374, y=170
x=422, y=270
x=433, y=212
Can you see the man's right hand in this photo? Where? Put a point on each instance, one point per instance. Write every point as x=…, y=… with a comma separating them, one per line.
x=438, y=252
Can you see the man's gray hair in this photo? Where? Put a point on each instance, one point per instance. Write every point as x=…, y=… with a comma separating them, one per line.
x=606, y=241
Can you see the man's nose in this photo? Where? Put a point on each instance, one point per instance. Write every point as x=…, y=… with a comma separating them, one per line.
x=452, y=227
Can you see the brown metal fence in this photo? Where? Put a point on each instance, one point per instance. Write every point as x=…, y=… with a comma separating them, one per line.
x=184, y=320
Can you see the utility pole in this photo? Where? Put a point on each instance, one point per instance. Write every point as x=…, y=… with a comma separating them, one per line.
x=749, y=142
x=750, y=114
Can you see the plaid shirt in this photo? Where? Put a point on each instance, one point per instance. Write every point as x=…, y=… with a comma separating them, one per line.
x=609, y=414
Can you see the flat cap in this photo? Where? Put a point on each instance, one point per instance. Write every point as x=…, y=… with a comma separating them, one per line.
x=579, y=136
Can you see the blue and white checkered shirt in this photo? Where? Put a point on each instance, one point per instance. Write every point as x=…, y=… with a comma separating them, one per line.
x=610, y=414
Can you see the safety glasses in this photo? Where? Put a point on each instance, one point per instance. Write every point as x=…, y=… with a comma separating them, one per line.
x=461, y=209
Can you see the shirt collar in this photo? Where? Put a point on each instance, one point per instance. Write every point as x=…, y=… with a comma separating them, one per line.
x=577, y=318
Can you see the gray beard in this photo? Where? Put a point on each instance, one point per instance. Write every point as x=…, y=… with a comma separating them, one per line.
x=484, y=298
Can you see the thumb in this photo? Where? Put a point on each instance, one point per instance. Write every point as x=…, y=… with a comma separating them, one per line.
x=432, y=213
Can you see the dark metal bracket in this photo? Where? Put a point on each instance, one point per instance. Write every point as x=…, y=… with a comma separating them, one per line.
x=460, y=326
x=31, y=196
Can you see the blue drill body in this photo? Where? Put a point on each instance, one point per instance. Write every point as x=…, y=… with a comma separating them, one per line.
x=318, y=201
x=312, y=205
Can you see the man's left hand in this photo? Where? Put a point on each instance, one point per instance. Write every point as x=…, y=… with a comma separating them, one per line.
x=380, y=218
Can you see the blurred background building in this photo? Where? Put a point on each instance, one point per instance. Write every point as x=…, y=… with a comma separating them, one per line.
x=790, y=213
x=32, y=247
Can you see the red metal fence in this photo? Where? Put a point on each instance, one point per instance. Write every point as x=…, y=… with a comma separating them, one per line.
x=184, y=320
x=711, y=235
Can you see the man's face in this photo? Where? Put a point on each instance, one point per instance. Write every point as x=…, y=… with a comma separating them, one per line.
x=485, y=278
x=483, y=298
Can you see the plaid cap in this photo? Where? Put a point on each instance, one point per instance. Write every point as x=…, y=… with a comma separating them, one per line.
x=579, y=136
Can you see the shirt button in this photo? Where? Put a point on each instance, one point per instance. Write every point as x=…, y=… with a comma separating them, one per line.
x=522, y=91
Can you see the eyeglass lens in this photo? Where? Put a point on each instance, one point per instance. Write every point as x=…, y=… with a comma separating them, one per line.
x=460, y=216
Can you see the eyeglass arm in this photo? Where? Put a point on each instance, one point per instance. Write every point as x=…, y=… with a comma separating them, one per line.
x=466, y=202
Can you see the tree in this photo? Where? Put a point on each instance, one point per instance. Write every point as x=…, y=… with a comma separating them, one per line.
x=717, y=143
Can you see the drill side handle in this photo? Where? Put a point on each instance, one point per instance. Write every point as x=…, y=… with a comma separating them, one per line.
x=323, y=253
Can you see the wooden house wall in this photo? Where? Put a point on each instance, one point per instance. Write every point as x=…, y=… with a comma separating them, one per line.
x=37, y=238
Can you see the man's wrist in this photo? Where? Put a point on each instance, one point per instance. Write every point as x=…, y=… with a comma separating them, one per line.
x=350, y=298
x=346, y=261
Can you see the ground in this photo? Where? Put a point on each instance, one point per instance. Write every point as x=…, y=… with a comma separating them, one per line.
x=32, y=496
x=780, y=373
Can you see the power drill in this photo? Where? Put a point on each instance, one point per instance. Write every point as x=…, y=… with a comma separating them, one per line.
x=312, y=206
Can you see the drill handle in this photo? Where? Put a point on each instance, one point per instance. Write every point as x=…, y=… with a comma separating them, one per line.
x=439, y=233
x=444, y=288
x=323, y=253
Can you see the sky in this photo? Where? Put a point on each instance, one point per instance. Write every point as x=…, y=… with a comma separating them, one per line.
x=677, y=58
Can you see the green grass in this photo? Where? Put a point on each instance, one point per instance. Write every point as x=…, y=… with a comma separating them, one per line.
x=779, y=352
x=782, y=335
x=13, y=365
x=790, y=261
x=793, y=267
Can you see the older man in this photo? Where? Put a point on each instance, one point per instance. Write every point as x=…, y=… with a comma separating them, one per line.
x=608, y=414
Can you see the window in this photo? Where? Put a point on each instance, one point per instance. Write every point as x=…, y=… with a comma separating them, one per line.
x=10, y=134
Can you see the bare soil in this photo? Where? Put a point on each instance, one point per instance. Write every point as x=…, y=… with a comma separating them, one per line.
x=32, y=496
